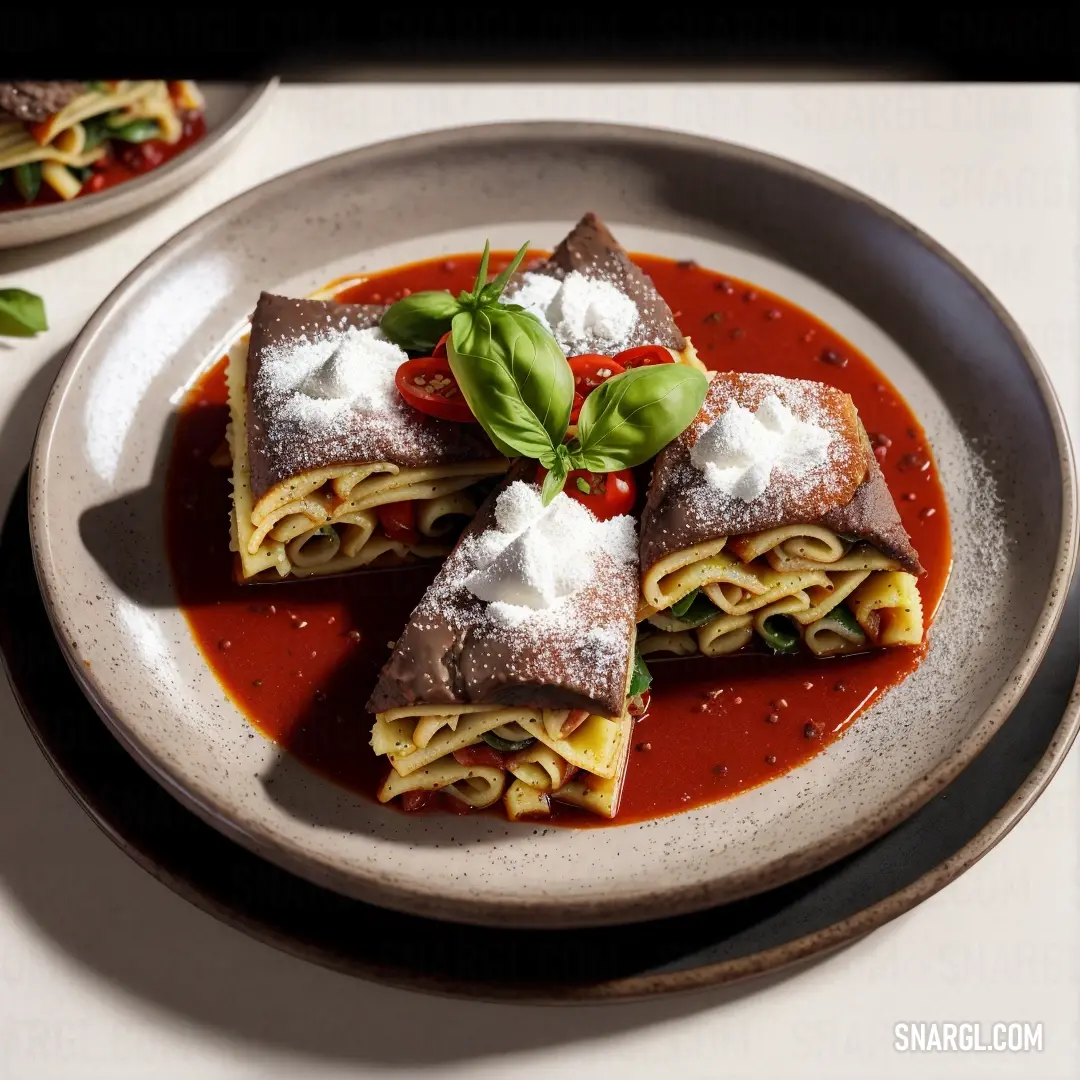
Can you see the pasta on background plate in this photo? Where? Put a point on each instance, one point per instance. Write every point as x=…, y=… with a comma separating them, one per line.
x=57, y=136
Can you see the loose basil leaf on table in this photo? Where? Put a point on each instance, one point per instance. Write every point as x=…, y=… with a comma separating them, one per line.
x=631, y=417
x=22, y=314
x=417, y=322
x=515, y=379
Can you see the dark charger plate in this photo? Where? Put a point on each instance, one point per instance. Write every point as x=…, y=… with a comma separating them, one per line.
x=763, y=933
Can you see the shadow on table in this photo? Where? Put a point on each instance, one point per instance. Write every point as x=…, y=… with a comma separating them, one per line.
x=106, y=915
x=41, y=254
x=99, y=908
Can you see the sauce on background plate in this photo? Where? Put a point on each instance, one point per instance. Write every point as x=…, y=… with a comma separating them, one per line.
x=301, y=657
x=128, y=161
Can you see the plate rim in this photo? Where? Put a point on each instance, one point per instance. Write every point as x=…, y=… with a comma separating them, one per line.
x=584, y=911
x=102, y=206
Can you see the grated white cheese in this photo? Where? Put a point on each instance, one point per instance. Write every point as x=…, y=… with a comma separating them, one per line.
x=319, y=379
x=741, y=450
x=584, y=314
x=538, y=556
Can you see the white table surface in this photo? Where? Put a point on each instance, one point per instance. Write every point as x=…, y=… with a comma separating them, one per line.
x=104, y=972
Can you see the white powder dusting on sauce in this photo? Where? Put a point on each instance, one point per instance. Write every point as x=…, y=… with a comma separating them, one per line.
x=538, y=556
x=740, y=451
x=584, y=314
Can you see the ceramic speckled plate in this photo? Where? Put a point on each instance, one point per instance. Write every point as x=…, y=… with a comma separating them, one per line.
x=98, y=469
x=231, y=109
x=764, y=933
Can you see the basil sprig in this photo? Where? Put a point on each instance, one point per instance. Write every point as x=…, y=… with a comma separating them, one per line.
x=22, y=313
x=416, y=322
x=516, y=381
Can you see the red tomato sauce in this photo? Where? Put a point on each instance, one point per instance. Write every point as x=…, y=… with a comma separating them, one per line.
x=125, y=161
x=301, y=657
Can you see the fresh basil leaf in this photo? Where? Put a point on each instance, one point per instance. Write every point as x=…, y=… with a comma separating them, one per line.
x=681, y=607
x=22, y=314
x=417, y=322
x=554, y=482
x=780, y=634
x=843, y=616
x=490, y=293
x=471, y=297
x=583, y=485
x=97, y=131
x=82, y=173
x=640, y=676
x=515, y=379
x=699, y=611
x=28, y=179
x=631, y=417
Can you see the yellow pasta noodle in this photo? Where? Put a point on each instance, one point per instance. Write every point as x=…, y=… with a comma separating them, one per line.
x=889, y=608
x=540, y=767
x=601, y=795
x=447, y=740
x=286, y=529
x=679, y=644
x=830, y=636
x=725, y=635
x=810, y=542
x=590, y=747
x=822, y=600
x=522, y=801
x=859, y=557
x=475, y=785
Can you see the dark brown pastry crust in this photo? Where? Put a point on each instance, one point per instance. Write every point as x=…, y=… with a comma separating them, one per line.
x=590, y=249
x=423, y=440
x=448, y=654
x=850, y=497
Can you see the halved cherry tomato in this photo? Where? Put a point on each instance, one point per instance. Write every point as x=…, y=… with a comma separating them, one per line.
x=485, y=757
x=644, y=356
x=590, y=370
x=607, y=495
x=440, y=348
x=417, y=800
x=429, y=385
x=399, y=521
